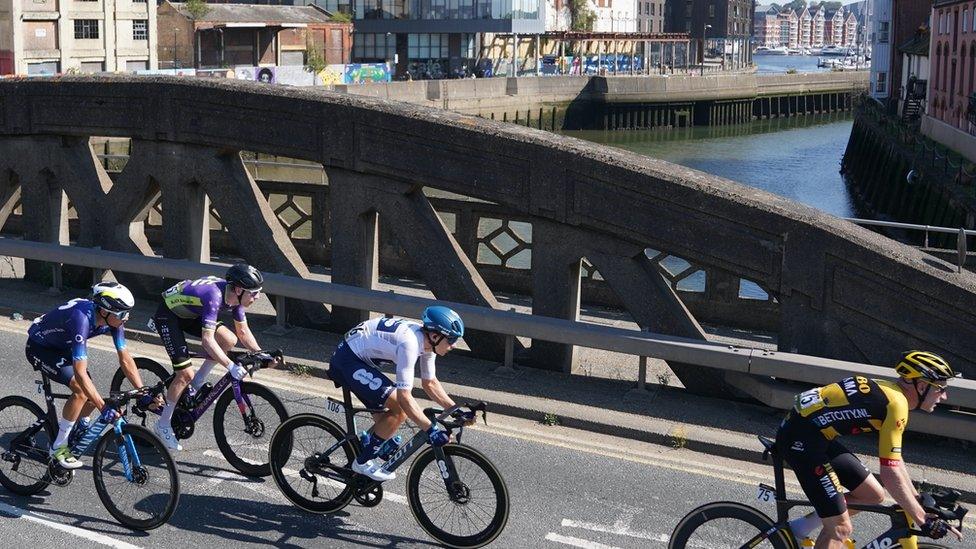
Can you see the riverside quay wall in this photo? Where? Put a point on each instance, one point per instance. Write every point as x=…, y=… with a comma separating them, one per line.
x=625, y=102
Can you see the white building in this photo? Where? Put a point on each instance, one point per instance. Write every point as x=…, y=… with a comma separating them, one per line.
x=52, y=36
x=879, y=35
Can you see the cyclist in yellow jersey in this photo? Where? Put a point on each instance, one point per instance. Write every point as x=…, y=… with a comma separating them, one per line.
x=807, y=440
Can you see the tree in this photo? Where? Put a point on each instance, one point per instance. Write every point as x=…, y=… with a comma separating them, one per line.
x=341, y=17
x=581, y=15
x=774, y=7
x=314, y=59
x=795, y=5
x=831, y=6
x=197, y=9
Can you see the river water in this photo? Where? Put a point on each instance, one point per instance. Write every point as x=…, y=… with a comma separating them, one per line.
x=798, y=158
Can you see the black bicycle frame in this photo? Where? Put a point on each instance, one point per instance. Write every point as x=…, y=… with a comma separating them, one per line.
x=899, y=530
x=197, y=411
x=407, y=449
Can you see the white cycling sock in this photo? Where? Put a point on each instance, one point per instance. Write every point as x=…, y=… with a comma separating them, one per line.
x=201, y=376
x=64, y=428
x=803, y=526
x=166, y=417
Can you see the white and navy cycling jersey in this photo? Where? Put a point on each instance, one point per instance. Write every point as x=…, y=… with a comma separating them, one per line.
x=393, y=341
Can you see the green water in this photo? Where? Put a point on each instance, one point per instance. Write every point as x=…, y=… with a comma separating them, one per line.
x=798, y=158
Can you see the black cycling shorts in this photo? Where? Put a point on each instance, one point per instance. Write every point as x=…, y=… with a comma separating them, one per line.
x=171, y=329
x=57, y=364
x=821, y=466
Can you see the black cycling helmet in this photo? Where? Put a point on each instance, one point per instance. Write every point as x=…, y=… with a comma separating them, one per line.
x=244, y=276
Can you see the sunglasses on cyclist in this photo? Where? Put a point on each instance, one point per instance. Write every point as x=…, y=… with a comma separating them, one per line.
x=941, y=388
x=253, y=293
x=121, y=315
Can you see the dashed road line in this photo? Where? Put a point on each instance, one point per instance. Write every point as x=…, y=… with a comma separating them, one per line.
x=577, y=542
x=31, y=516
x=615, y=529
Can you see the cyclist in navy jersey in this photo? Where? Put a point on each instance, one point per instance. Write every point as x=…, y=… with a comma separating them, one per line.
x=57, y=345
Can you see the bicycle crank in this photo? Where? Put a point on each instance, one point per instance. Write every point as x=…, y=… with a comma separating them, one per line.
x=371, y=495
x=59, y=475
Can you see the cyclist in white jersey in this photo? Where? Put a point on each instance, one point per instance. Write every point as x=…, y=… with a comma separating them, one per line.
x=355, y=364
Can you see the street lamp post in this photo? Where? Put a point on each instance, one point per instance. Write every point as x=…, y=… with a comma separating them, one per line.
x=704, y=26
x=175, y=30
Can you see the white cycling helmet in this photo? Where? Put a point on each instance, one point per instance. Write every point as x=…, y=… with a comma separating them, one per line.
x=113, y=297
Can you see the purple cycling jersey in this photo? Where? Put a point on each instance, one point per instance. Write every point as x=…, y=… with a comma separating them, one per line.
x=70, y=326
x=202, y=298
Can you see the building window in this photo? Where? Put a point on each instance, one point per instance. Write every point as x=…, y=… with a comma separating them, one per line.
x=140, y=29
x=650, y=6
x=942, y=23
x=91, y=67
x=427, y=46
x=965, y=20
x=373, y=46
x=883, y=32
x=711, y=10
x=639, y=8
x=86, y=29
x=688, y=10
x=881, y=85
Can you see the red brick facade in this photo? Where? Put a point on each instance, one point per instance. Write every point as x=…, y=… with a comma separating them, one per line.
x=953, y=62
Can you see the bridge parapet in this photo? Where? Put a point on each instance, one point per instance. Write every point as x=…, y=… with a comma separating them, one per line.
x=844, y=292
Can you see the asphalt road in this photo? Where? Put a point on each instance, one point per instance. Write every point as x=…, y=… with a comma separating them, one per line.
x=568, y=488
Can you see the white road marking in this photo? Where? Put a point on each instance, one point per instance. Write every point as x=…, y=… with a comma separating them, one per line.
x=31, y=516
x=227, y=475
x=577, y=542
x=617, y=529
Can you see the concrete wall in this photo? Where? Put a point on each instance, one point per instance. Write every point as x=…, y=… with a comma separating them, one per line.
x=484, y=96
x=957, y=140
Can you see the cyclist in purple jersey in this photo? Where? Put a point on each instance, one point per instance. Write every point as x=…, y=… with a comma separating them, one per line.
x=192, y=307
x=57, y=345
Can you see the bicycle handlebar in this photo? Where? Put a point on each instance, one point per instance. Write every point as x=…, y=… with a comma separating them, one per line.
x=943, y=503
x=122, y=397
x=255, y=360
x=451, y=418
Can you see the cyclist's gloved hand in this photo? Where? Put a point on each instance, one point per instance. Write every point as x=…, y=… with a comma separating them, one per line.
x=144, y=401
x=934, y=528
x=237, y=371
x=109, y=411
x=437, y=436
x=469, y=417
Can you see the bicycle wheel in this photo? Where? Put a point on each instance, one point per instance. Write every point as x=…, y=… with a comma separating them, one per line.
x=475, y=515
x=924, y=545
x=244, y=436
x=151, y=373
x=23, y=469
x=726, y=524
x=305, y=476
x=148, y=499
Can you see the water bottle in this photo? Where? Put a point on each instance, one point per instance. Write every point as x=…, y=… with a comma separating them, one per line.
x=389, y=446
x=79, y=431
x=202, y=393
x=92, y=434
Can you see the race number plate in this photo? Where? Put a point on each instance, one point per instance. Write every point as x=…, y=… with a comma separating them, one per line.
x=765, y=493
x=336, y=408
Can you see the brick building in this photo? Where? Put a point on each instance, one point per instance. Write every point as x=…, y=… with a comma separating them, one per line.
x=51, y=36
x=231, y=35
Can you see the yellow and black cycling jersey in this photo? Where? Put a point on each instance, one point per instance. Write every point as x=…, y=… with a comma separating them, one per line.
x=858, y=405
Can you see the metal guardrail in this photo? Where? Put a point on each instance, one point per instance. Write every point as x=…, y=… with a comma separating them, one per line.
x=961, y=233
x=784, y=366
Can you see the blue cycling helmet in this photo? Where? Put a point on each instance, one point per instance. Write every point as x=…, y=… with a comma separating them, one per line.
x=444, y=321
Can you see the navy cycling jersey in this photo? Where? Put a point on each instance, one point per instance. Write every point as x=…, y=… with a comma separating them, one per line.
x=69, y=327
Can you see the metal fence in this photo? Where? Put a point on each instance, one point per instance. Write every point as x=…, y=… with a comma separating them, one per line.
x=957, y=421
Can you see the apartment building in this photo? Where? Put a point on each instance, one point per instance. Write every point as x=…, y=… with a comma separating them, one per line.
x=39, y=37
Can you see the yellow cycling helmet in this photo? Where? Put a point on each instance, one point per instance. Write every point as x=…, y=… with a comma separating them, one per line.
x=924, y=365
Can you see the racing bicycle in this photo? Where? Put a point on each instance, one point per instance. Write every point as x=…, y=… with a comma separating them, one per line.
x=730, y=524
x=241, y=435
x=135, y=476
x=455, y=493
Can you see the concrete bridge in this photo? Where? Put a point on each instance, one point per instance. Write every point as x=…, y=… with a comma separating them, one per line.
x=843, y=292
x=598, y=102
